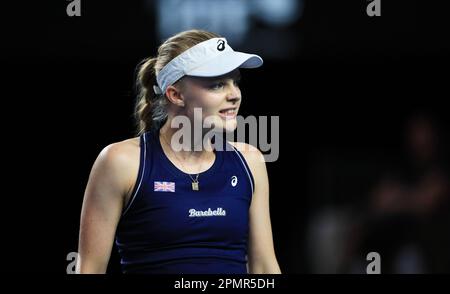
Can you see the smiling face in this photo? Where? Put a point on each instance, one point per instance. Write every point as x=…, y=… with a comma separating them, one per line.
x=218, y=97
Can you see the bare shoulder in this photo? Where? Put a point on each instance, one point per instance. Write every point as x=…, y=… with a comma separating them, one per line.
x=252, y=155
x=117, y=165
x=120, y=153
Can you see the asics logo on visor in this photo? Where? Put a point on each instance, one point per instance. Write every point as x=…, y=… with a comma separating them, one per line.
x=220, y=45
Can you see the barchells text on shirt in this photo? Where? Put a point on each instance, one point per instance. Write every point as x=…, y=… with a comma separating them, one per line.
x=199, y=213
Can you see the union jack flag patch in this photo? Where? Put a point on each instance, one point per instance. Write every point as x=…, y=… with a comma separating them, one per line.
x=164, y=186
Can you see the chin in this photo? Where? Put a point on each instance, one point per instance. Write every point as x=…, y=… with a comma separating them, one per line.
x=229, y=125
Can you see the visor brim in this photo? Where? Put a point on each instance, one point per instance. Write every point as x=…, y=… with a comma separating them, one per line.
x=225, y=63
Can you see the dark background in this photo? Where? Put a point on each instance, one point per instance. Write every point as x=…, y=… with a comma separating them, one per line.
x=342, y=83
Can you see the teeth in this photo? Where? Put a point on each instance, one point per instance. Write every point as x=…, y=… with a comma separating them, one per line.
x=229, y=112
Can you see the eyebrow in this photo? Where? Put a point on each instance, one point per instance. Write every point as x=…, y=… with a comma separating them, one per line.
x=233, y=76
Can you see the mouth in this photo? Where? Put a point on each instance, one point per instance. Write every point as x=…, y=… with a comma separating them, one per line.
x=228, y=113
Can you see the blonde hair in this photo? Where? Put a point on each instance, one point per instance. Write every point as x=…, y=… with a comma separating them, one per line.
x=151, y=109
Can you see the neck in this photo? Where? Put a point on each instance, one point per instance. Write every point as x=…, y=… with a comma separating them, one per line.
x=193, y=147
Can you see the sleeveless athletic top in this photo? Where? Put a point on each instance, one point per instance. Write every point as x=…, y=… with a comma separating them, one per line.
x=168, y=228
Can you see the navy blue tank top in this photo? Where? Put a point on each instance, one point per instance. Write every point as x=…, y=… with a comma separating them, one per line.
x=168, y=228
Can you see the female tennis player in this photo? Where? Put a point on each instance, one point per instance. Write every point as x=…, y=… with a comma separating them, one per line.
x=174, y=210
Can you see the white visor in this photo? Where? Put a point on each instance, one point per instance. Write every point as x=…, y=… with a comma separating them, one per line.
x=210, y=58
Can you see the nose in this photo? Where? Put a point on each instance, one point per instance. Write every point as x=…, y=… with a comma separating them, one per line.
x=234, y=93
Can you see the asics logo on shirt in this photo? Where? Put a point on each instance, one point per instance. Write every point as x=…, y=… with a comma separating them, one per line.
x=234, y=181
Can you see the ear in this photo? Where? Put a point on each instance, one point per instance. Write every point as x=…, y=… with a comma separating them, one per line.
x=174, y=95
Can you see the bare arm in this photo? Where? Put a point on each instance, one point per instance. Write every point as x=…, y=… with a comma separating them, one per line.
x=261, y=253
x=110, y=182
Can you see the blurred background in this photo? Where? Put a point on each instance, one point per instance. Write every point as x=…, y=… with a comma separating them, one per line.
x=364, y=124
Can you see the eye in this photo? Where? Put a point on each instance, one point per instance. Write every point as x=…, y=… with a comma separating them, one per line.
x=217, y=86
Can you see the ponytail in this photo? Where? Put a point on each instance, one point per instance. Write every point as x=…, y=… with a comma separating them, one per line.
x=150, y=109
